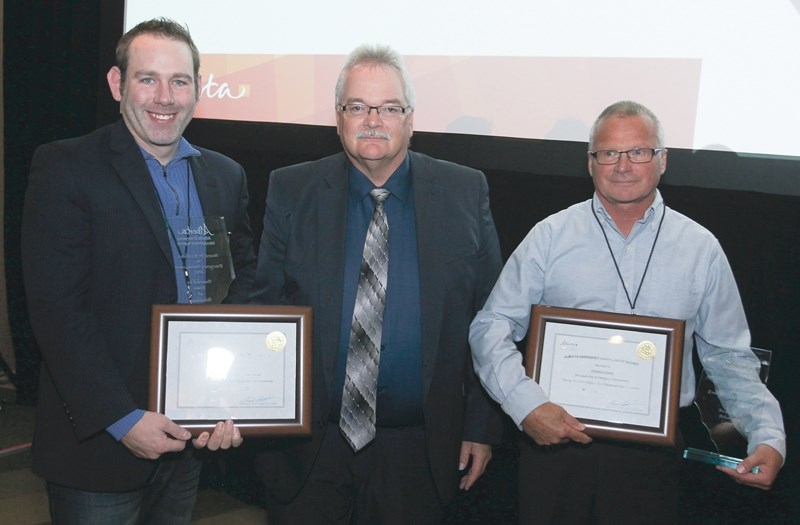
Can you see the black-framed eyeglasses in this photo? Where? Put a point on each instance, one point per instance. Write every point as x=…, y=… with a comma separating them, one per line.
x=387, y=111
x=635, y=155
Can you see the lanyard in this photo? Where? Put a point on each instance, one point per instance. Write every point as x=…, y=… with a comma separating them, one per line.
x=173, y=238
x=619, y=273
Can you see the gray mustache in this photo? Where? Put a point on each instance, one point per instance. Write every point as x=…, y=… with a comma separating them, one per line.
x=372, y=134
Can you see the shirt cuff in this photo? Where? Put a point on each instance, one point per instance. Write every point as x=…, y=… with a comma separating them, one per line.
x=526, y=397
x=121, y=427
x=775, y=438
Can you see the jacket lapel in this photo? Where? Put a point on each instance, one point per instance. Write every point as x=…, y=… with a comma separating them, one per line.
x=129, y=164
x=331, y=229
x=429, y=216
x=206, y=186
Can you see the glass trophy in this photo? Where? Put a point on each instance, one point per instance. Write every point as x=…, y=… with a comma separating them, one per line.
x=201, y=244
x=731, y=445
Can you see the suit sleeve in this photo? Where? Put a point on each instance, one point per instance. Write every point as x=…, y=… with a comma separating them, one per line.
x=57, y=262
x=269, y=281
x=483, y=422
x=241, y=245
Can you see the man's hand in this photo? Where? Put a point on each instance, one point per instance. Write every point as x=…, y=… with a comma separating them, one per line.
x=477, y=456
x=154, y=435
x=768, y=461
x=225, y=436
x=549, y=424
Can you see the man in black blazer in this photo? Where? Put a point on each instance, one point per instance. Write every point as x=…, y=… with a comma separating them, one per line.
x=97, y=254
x=435, y=425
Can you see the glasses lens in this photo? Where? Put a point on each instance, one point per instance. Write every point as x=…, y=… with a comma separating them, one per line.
x=391, y=111
x=354, y=110
x=607, y=156
x=640, y=155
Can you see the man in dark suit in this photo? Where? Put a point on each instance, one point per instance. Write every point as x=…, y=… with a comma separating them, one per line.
x=98, y=252
x=434, y=425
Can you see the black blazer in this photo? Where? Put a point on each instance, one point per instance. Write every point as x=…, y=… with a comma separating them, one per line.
x=96, y=257
x=301, y=262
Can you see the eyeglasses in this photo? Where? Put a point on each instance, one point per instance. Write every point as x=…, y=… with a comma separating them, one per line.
x=635, y=155
x=388, y=111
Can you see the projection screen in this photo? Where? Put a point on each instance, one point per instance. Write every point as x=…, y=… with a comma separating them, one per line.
x=721, y=75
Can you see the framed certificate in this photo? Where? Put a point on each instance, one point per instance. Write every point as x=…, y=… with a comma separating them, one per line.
x=619, y=374
x=248, y=363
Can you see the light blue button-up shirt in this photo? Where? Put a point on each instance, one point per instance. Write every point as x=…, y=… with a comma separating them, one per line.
x=565, y=261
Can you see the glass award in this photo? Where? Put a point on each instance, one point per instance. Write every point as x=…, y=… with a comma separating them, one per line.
x=201, y=246
x=730, y=444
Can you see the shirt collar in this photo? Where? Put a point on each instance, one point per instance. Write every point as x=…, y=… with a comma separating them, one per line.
x=399, y=183
x=655, y=206
x=185, y=150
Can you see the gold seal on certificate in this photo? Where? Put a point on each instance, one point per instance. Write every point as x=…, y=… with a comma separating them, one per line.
x=646, y=350
x=276, y=341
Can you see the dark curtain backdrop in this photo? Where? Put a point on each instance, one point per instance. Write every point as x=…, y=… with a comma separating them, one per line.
x=50, y=84
x=7, y=356
x=56, y=53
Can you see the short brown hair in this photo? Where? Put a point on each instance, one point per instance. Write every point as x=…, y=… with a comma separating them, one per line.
x=158, y=26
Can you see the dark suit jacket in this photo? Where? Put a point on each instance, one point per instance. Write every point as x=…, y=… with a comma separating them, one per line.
x=96, y=257
x=301, y=262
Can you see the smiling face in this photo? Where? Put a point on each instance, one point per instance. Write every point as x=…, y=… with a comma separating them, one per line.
x=375, y=145
x=627, y=185
x=158, y=96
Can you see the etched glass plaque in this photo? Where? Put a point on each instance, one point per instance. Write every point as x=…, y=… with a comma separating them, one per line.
x=720, y=427
x=205, y=257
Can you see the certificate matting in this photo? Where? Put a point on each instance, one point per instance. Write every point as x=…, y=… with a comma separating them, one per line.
x=618, y=374
x=249, y=363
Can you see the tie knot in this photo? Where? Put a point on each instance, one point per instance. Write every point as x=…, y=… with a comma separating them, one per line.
x=379, y=195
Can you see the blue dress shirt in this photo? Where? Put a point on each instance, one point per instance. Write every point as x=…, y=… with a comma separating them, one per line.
x=399, y=400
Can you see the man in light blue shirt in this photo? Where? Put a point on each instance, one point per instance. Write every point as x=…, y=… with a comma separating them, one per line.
x=622, y=251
